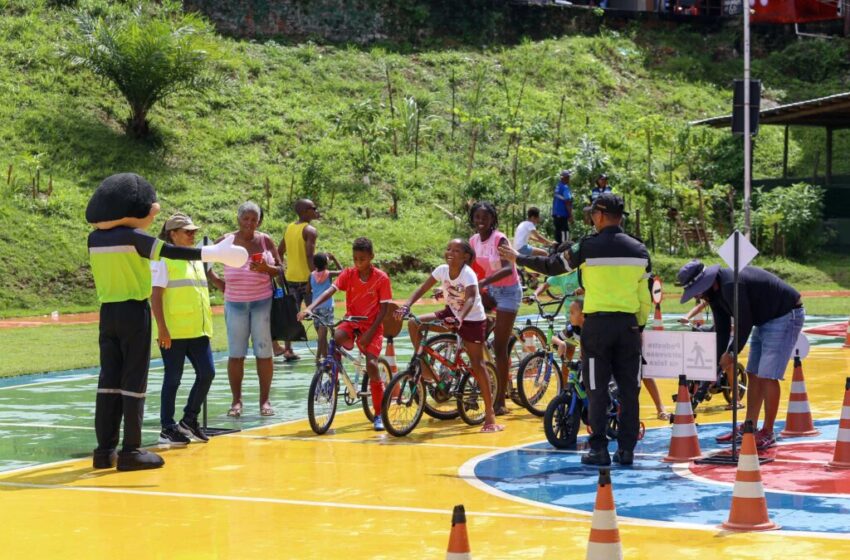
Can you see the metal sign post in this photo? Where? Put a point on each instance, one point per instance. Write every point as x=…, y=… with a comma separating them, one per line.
x=747, y=138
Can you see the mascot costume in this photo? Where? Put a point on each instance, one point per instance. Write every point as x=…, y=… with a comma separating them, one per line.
x=121, y=208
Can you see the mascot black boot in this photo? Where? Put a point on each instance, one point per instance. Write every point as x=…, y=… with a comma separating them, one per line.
x=121, y=208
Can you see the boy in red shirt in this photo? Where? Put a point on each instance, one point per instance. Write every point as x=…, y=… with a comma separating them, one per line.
x=367, y=293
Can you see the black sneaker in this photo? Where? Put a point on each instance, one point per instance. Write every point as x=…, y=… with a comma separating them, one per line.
x=139, y=460
x=172, y=436
x=191, y=428
x=599, y=458
x=104, y=458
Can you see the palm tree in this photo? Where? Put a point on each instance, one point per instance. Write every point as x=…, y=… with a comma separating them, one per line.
x=146, y=57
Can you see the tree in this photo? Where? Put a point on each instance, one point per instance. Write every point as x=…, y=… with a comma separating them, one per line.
x=147, y=57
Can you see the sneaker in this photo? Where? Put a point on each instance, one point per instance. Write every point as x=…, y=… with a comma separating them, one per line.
x=765, y=440
x=727, y=437
x=172, y=436
x=378, y=424
x=190, y=428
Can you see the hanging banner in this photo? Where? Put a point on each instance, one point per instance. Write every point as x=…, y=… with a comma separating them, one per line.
x=669, y=354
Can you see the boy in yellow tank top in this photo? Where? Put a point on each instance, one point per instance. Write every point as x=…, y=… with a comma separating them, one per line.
x=297, y=249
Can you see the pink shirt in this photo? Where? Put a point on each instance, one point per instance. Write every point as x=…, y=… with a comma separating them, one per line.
x=487, y=257
x=243, y=284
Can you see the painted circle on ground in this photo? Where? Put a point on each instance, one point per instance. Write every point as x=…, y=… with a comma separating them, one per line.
x=658, y=493
x=796, y=467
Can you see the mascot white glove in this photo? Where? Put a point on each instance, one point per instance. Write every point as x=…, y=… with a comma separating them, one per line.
x=225, y=252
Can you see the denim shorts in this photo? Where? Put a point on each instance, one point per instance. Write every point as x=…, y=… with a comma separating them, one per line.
x=525, y=250
x=326, y=314
x=507, y=298
x=772, y=344
x=249, y=318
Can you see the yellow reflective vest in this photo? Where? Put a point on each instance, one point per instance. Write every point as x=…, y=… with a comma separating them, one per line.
x=186, y=300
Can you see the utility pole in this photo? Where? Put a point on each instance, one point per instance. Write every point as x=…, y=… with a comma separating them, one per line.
x=747, y=138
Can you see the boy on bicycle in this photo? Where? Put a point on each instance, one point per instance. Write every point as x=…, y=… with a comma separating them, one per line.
x=368, y=292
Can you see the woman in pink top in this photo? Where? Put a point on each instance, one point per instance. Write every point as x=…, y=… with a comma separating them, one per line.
x=501, y=283
x=247, y=307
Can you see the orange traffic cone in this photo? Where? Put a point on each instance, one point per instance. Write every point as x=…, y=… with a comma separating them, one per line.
x=749, y=507
x=604, y=541
x=458, y=540
x=841, y=458
x=684, y=443
x=798, y=421
x=657, y=321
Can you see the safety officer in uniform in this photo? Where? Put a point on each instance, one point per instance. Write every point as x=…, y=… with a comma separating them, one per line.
x=614, y=270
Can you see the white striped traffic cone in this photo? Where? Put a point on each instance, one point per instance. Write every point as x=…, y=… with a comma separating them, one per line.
x=841, y=457
x=847, y=335
x=684, y=443
x=798, y=420
x=749, y=507
x=604, y=541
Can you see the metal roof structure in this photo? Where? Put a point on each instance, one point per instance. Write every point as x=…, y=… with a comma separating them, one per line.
x=831, y=112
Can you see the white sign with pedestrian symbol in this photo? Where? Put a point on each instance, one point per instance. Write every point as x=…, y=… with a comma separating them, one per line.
x=669, y=354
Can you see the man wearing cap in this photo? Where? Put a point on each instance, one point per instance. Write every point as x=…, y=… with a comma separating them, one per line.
x=562, y=208
x=770, y=310
x=614, y=270
x=602, y=186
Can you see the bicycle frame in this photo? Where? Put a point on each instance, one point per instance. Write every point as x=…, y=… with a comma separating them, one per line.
x=335, y=364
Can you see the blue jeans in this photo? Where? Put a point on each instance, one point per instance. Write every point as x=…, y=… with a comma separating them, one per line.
x=772, y=344
x=507, y=298
x=200, y=356
x=244, y=319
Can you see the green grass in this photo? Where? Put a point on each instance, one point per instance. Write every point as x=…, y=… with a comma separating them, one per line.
x=274, y=119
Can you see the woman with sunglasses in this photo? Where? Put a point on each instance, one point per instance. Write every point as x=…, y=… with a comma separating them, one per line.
x=180, y=303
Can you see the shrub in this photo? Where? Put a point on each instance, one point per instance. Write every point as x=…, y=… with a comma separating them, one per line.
x=789, y=220
x=146, y=57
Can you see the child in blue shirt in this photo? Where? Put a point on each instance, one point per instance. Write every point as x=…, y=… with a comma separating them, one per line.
x=320, y=281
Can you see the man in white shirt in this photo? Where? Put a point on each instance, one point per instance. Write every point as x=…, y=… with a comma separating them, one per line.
x=527, y=231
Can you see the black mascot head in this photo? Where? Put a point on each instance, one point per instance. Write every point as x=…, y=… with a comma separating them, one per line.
x=125, y=199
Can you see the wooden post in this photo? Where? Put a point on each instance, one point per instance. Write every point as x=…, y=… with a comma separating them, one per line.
x=558, y=126
x=828, y=155
x=9, y=175
x=267, y=188
x=815, y=170
x=453, y=84
x=392, y=108
x=785, y=155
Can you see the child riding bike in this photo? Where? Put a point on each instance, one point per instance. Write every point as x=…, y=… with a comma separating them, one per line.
x=464, y=312
x=368, y=293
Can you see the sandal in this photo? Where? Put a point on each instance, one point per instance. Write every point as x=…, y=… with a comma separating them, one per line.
x=291, y=357
x=502, y=411
x=235, y=411
x=266, y=410
x=663, y=415
x=491, y=428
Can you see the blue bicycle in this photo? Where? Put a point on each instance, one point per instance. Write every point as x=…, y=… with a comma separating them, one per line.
x=325, y=387
x=565, y=413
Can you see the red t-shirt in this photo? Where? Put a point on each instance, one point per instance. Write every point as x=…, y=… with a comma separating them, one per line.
x=364, y=298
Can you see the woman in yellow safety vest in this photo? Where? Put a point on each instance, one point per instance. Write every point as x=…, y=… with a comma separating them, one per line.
x=181, y=307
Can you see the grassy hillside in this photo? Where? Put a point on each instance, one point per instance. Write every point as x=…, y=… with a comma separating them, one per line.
x=271, y=132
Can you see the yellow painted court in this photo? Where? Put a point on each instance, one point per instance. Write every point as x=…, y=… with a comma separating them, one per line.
x=280, y=491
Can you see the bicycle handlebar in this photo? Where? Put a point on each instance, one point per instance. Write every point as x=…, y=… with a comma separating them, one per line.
x=437, y=323
x=347, y=319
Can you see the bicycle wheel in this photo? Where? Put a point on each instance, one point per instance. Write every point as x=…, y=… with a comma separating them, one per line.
x=366, y=392
x=523, y=342
x=470, y=405
x=538, y=382
x=559, y=424
x=404, y=402
x=321, y=400
x=440, y=403
x=742, y=385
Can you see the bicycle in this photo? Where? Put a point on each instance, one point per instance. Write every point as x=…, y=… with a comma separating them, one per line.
x=324, y=387
x=565, y=413
x=407, y=394
x=530, y=339
x=535, y=372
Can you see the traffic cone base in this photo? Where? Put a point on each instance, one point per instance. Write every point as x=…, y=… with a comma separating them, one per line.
x=684, y=443
x=458, y=548
x=798, y=421
x=749, y=506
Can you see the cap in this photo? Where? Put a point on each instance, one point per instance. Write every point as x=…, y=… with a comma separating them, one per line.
x=609, y=203
x=696, y=278
x=602, y=176
x=180, y=221
x=566, y=172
